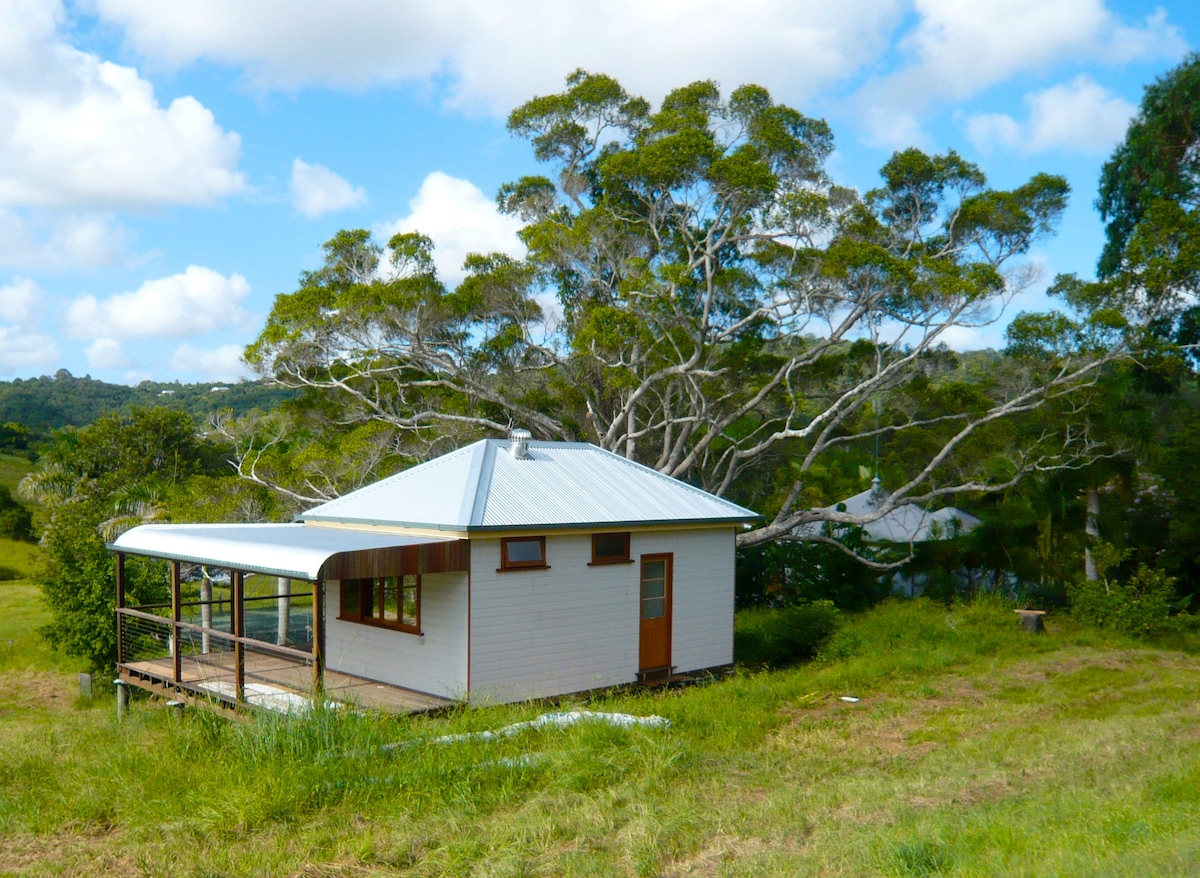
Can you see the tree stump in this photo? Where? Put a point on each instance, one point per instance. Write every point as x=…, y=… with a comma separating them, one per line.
x=1031, y=620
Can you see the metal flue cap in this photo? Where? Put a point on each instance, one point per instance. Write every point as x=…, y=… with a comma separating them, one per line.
x=520, y=443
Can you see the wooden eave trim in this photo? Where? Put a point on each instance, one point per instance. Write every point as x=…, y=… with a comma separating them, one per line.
x=489, y=533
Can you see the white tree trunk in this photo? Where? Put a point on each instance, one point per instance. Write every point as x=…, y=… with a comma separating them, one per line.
x=1092, y=529
x=284, y=590
x=205, y=614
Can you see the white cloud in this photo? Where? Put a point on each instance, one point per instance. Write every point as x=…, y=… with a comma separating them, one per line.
x=960, y=48
x=191, y=303
x=21, y=350
x=316, y=190
x=460, y=219
x=107, y=353
x=21, y=346
x=497, y=53
x=211, y=364
x=1080, y=115
x=52, y=242
x=19, y=300
x=81, y=132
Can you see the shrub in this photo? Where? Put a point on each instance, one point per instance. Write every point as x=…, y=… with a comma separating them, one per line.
x=764, y=637
x=15, y=521
x=1139, y=606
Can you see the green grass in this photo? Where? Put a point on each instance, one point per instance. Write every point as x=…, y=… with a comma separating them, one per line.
x=974, y=749
x=13, y=468
x=22, y=613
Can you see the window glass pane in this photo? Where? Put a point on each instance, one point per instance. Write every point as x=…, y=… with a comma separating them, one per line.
x=524, y=551
x=391, y=600
x=408, y=611
x=368, y=597
x=654, y=570
x=611, y=546
x=654, y=608
x=351, y=599
x=654, y=588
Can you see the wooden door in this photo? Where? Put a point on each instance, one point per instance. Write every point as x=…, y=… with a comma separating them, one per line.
x=655, y=601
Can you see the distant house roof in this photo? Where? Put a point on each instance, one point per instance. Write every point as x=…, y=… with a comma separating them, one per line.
x=485, y=486
x=291, y=550
x=904, y=524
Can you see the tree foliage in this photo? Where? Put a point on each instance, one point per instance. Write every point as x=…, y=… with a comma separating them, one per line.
x=1148, y=198
x=92, y=483
x=700, y=296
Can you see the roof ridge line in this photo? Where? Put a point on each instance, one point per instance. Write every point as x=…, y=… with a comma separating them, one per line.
x=482, y=479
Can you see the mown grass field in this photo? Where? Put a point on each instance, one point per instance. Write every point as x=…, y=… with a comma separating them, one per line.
x=974, y=749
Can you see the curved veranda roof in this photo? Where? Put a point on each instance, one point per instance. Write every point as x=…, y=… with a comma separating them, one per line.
x=297, y=551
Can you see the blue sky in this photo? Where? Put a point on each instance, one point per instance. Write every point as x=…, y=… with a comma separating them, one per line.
x=166, y=169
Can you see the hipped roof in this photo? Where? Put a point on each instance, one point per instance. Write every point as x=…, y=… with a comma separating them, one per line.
x=904, y=524
x=559, y=484
x=478, y=488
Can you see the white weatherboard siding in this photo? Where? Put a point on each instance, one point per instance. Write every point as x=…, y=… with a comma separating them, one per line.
x=537, y=633
x=435, y=663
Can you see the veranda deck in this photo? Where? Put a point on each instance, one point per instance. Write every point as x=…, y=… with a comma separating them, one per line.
x=271, y=682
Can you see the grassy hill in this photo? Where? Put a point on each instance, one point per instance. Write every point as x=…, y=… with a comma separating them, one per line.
x=973, y=749
x=13, y=468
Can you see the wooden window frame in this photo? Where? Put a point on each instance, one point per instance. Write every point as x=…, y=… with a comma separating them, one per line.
x=507, y=565
x=600, y=560
x=375, y=589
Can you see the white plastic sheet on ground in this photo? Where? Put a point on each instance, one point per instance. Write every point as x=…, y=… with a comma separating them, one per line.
x=558, y=720
x=262, y=695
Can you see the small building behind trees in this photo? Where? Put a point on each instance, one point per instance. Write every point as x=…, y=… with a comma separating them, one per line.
x=504, y=571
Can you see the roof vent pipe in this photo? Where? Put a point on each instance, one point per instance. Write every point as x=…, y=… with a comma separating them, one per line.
x=519, y=447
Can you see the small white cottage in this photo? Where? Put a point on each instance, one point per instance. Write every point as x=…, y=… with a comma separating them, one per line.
x=504, y=571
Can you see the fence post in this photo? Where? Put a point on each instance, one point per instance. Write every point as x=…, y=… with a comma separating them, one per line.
x=318, y=647
x=122, y=698
x=238, y=623
x=176, y=652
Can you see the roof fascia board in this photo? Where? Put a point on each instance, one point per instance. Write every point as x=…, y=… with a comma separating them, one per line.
x=210, y=562
x=590, y=526
x=567, y=530
x=426, y=527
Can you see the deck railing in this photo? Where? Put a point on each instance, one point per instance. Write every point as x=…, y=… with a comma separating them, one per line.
x=210, y=660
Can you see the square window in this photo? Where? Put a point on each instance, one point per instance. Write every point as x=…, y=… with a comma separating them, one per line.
x=388, y=601
x=522, y=552
x=610, y=548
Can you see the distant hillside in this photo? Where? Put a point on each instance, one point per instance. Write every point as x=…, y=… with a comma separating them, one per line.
x=64, y=400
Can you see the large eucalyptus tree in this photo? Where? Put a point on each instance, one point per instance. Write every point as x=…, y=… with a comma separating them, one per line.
x=698, y=295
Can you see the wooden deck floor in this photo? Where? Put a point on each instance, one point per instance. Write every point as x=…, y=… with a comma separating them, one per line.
x=278, y=683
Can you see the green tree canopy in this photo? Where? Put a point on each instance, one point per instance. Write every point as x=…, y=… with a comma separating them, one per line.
x=700, y=296
x=1148, y=198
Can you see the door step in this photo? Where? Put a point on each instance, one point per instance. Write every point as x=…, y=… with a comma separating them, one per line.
x=656, y=675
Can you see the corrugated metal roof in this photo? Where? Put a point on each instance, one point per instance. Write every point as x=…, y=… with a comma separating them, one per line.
x=904, y=524
x=293, y=550
x=559, y=484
